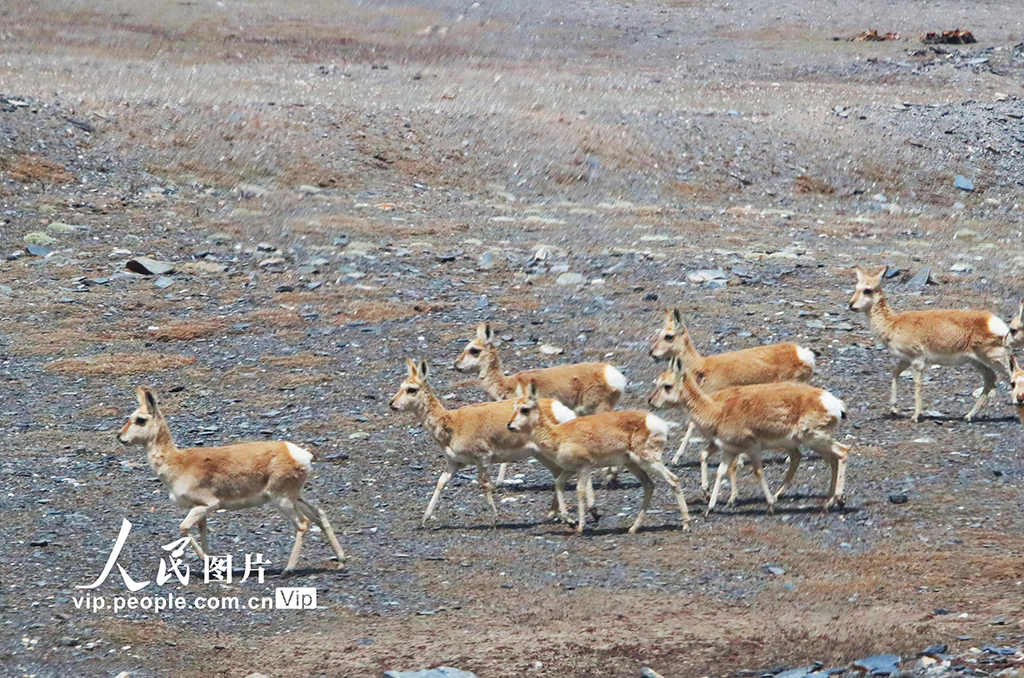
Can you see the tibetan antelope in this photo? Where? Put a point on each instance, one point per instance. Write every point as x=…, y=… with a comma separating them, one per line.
x=749, y=419
x=627, y=438
x=756, y=365
x=938, y=337
x=1017, y=386
x=474, y=435
x=206, y=479
x=585, y=388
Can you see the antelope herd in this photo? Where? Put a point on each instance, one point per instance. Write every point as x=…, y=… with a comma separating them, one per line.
x=741, y=403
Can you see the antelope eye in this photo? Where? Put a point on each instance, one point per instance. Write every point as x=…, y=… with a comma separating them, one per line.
x=411, y=389
x=140, y=421
x=667, y=387
x=868, y=293
x=669, y=336
x=524, y=410
x=474, y=351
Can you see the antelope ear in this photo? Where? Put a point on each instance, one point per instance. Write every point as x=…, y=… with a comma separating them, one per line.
x=677, y=365
x=1020, y=309
x=1014, y=366
x=481, y=331
x=151, y=406
x=519, y=393
x=677, y=316
x=423, y=369
x=140, y=393
x=412, y=366
x=860, y=274
x=488, y=333
x=533, y=390
x=881, y=274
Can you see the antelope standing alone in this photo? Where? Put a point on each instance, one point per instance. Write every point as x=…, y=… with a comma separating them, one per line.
x=475, y=435
x=938, y=337
x=206, y=479
x=585, y=388
x=749, y=419
x=627, y=438
x=756, y=365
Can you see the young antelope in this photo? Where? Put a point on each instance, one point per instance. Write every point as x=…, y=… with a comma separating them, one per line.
x=938, y=337
x=206, y=479
x=749, y=419
x=611, y=439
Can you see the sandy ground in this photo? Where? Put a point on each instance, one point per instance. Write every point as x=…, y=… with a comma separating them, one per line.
x=326, y=177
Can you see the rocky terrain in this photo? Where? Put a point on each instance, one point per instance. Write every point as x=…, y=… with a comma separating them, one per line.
x=261, y=210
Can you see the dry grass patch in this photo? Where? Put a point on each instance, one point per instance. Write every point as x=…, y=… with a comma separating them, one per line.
x=805, y=183
x=30, y=169
x=57, y=342
x=189, y=330
x=114, y=364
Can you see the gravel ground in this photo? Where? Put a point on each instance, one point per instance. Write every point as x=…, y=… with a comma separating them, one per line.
x=326, y=180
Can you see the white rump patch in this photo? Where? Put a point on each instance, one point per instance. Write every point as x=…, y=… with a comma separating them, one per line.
x=656, y=425
x=561, y=412
x=615, y=380
x=997, y=327
x=833, y=405
x=304, y=457
x=806, y=356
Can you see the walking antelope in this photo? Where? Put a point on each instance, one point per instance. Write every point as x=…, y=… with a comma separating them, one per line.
x=475, y=435
x=1017, y=385
x=938, y=337
x=749, y=419
x=206, y=479
x=627, y=438
x=756, y=365
x=585, y=388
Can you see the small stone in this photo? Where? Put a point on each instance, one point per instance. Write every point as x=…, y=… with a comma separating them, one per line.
x=272, y=261
x=147, y=266
x=449, y=257
x=60, y=227
x=549, y=349
x=483, y=302
x=486, y=261
x=921, y=278
x=6, y=291
x=733, y=112
x=163, y=282
x=707, y=275
x=933, y=650
x=966, y=234
x=570, y=279
x=649, y=673
x=439, y=672
x=961, y=267
x=37, y=250
x=963, y=183
x=309, y=190
x=898, y=498
x=38, y=238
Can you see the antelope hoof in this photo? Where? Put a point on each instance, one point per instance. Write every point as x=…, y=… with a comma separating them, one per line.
x=771, y=509
x=595, y=515
x=551, y=516
x=916, y=418
x=686, y=526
